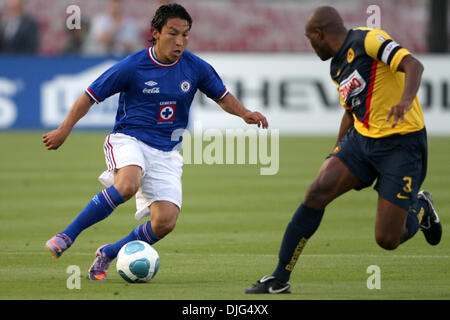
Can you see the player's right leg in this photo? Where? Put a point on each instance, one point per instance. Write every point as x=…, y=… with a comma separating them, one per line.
x=333, y=180
x=344, y=169
x=126, y=184
x=99, y=208
x=124, y=158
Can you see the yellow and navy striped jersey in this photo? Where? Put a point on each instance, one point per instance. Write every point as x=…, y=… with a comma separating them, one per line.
x=369, y=85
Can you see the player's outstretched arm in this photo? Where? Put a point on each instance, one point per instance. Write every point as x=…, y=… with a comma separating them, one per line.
x=413, y=70
x=232, y=105
x=55, y=138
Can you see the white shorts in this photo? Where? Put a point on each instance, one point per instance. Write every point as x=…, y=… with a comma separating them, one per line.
x=161, y=170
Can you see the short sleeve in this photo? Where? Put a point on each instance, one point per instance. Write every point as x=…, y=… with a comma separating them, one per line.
x=112, y=81
x=210, y=82
x=380, y=46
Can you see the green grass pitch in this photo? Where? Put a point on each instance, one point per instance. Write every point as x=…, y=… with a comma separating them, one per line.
x=228, y=233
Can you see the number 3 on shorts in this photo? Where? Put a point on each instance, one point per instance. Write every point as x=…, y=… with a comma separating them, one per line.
x=407, y=187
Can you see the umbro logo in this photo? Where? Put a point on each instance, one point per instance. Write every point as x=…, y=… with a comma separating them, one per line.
x=151, y=90
x=151, y=83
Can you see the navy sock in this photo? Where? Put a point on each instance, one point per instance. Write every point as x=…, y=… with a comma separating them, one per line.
x=412, y=224
x=143, y=232
x=302, y=226
x=415, y=216
x=96, y=210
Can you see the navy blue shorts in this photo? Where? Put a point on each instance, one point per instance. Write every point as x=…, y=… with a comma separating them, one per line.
x=397, y=162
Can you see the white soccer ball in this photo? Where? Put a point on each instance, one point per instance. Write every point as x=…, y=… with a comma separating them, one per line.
x=137, y=261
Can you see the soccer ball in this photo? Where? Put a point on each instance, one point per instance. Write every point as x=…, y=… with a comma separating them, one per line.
x=137, y=261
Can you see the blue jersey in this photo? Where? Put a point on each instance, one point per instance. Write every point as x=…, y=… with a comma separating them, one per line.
x=155, y=98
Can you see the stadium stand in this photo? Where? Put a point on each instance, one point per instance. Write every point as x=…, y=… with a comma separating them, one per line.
x=240, y=26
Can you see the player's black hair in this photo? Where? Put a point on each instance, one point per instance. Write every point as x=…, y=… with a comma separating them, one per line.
x=166, y=12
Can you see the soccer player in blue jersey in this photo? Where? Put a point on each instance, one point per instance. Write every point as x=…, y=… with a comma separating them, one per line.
x=156, y=86
x=382, y=137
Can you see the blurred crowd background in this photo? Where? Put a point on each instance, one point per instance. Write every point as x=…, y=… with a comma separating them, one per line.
x=119, y=27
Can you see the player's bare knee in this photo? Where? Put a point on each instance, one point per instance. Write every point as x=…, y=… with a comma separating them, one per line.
x=163, y=227
x=127, y=189
x=164, y=215
x=387, y=242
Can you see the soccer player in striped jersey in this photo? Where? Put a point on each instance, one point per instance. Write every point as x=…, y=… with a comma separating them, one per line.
x=156, y=86
x=382, y=137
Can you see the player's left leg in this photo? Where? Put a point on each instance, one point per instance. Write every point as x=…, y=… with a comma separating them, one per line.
x=395, y=225
x=164, y=215
x=391, y=225
x=402, y=209
x=430, y=223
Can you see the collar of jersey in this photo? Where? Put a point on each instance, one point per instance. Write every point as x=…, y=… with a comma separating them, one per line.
x=152, y=55
x=343, y=47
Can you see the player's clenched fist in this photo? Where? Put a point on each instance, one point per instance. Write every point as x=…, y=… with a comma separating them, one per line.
x=54, y=139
